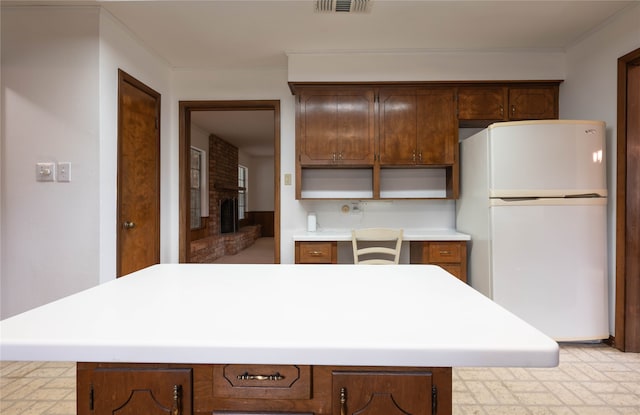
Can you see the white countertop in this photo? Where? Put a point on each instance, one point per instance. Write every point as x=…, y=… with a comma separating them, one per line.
x=408, y=235
x=393, y=315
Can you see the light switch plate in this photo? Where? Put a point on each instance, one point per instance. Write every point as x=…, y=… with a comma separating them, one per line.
x=64, y=172
x=45, y=172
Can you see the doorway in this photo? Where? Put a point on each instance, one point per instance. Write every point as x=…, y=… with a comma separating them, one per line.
x=627, y=324
x=138, y=209
x=186, y=111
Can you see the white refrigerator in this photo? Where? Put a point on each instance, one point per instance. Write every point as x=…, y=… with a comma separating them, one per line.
x=534, y=200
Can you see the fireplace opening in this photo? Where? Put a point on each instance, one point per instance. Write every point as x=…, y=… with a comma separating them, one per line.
x=229, y=215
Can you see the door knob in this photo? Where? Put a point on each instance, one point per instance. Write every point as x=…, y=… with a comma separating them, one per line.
x=129, y=225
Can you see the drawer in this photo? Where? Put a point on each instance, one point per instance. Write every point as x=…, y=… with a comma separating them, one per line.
x=316, y=252
x=262, y=381
x=445, y=252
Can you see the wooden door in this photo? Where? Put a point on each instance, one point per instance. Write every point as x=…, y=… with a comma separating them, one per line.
x=336, y=126
x=398, y=125
x=627, y=304
x=138, y=176
x=383, y=393
x=437, y=137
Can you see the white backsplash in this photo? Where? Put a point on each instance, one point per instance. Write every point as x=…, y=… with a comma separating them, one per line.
x=340, y=214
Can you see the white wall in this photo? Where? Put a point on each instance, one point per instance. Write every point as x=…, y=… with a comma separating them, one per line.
x=590, y=92
x=50, y=114
x=260, y=184
x=59, y=93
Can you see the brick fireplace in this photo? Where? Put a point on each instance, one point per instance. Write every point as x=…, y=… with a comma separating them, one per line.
x=219, y=240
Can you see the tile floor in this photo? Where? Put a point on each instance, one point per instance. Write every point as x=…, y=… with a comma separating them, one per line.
x=591, y=379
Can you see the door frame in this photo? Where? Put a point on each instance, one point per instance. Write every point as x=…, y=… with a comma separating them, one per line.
x=123, y=78
x=184, y=116
x=627, y=293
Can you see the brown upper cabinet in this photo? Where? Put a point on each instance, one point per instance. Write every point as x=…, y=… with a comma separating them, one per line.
x=376, y=140
x=481, y=105
x=533, y=103
x=335, y=126
x=417, y=126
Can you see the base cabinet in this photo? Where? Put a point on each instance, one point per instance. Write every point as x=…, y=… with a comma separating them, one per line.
x=450, y=255
x=261, y=389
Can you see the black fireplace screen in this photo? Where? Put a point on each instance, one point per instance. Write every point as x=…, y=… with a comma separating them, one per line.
x=228, y=215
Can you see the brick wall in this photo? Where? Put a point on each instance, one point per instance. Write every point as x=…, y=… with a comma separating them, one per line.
x=223, y=178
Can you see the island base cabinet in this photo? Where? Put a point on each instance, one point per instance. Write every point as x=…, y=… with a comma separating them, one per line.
x=134, y=390
x=386, y=393
x=175, y=389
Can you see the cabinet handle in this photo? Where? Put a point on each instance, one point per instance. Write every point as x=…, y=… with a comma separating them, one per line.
x=501, y=110
x=315, y=253
x=343, y=401
x=413, y=156
x=513, y=110
x=177, y=400
x=247, y=376
x=420, y=156
x=443, y=252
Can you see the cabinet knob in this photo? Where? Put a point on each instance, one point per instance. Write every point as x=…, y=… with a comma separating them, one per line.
x=129, y=225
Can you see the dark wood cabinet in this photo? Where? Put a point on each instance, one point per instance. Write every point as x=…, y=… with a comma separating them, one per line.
x=481, y=105
x=383, y=393
x=335, y=126
x=450, y=255
x=533, y=103
x=176, y=389
x=355, y=127
x=417, y=126
x=134, y=389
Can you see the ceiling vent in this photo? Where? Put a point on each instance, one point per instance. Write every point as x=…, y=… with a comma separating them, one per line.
x=343, y=6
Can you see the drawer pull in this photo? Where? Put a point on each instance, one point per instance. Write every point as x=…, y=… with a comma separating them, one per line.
x=443, y=252
x=247, y=376
x=315, y=253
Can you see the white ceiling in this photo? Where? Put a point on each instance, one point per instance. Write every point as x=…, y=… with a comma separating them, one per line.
x=230, y=34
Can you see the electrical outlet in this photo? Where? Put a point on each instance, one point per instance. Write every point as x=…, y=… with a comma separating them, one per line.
x=64, y=172
x=45, y=172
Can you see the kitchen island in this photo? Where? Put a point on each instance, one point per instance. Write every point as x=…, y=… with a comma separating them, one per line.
x=238, y=339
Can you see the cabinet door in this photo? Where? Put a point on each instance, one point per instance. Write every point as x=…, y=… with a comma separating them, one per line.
x=533, y=103
x=481, y=104
x=382, y=393
x=437, y=137
x=398, y=125
x=336, y=126
x=124, y=391
x=417, y=126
